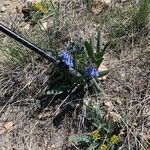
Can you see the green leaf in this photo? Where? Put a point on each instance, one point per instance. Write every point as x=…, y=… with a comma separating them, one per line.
x=90, y=51
x=99, y=41
x=99, y=58
x=92, y=42
x=103, y=73
x=94, y=114
x=83, y=137
x=142, y=15
x=99, y=61
x=93, y=146
x=124, y=119
x=99, y=55
x=57, y=88
x=111, y=126
x=113, y=147
x=96, y=85
x=82, y=60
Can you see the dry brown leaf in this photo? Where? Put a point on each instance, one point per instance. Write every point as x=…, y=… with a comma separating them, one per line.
x=102, y=68
x=109, y=105
x=6, y=127
x=146, y=137
x=45, y=115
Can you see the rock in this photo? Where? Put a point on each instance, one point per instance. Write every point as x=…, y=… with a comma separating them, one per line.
x=118, y=102
x=30, y=1
x=38, y=1
x=102, y=68
x=3, y=9
x=6, y=127
x=27, y=27
x=44, y=26
x=107, y=1
x=109, y=105
x=123, y=73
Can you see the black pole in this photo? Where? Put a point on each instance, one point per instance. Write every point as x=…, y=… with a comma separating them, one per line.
x=36, y=49
x=26, y=43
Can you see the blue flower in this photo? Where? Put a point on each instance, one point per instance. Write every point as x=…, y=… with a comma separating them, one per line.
x=91, y=72
x=66, y=58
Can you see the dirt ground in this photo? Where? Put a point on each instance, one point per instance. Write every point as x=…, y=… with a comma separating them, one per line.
x=8, y=14
x=8, y=10
x=127, y=88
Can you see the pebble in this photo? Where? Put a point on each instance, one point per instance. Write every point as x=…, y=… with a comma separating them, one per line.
x=44, y=26
x=107, y=1
x=27, y=27
x=3, y=9
x=30, y=1
x=109, y=105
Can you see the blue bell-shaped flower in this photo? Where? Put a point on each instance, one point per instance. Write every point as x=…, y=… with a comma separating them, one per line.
x=66, y=58
x=91, y=72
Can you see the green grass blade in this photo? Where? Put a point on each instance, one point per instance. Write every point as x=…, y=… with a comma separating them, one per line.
x=90, y=51
x=103, y=73
x=99, y=41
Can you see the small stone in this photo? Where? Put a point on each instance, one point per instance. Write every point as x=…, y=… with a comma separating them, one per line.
x=123, y=73
x=3, y=9
x=107, y=1
x=6, y=127
x=30, y=1
x=38, y=1
x=102, y=68
x=44, y=26
x=27, y=27
x=117, y=100
x=109, y=105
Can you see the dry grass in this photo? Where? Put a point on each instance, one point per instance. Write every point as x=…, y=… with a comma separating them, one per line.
x=127, y=86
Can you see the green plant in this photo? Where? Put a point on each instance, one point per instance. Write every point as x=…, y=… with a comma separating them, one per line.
x=89, y=4
x=141, y=16
x=56, y=22
x=105, y=134
x=15, y=54
x=39, y=9
x=85, y=58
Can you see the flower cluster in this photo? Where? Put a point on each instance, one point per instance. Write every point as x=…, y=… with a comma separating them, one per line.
x=103, y=147
x=114, y=139
x=91, y=72
x=66, y=58
x=96, y=135
x=38, y=6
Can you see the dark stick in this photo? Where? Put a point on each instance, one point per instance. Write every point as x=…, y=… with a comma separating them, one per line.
x=36, y=49
x=26, y=43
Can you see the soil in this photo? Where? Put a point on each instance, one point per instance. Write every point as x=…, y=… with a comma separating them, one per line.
x=25, y=132
x=12, y=10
